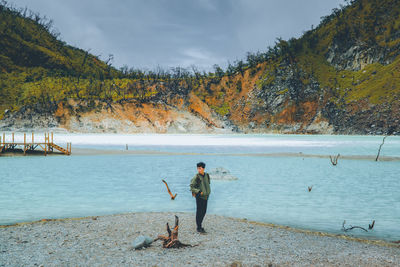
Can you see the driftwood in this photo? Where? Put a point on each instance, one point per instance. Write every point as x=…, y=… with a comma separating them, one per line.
x=334, y=159
x=171, y=241
x=380, y=147
x=352, y=227
x=169, y=191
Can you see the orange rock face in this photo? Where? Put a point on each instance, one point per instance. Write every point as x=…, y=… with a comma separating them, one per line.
x=133, y=117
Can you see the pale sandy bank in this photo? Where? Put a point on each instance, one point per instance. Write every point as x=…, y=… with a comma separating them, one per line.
x=107, y=241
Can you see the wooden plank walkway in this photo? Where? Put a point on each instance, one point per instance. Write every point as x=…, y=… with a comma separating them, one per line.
x=48, y=146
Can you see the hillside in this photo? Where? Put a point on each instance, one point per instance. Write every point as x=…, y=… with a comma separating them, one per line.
x=341, y=77
x=31, y=54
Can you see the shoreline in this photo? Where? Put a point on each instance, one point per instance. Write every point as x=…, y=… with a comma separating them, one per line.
x=380, y=242
x=95, y=151
x=107, y=240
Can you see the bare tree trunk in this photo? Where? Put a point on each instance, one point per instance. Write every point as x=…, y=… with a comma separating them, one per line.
x=380, y=147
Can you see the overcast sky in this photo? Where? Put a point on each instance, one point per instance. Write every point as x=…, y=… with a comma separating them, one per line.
x=150, y=33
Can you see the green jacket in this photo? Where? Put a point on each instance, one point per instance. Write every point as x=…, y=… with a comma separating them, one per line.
x=201, y=183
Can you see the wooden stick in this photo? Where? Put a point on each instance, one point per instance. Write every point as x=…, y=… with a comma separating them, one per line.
x=169, y=191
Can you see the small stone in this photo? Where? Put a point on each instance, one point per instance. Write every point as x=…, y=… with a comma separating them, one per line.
x=142, y=242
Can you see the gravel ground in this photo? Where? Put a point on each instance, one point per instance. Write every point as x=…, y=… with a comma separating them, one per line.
x=107, y=241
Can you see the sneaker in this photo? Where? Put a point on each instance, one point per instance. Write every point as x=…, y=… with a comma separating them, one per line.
x=201, y=230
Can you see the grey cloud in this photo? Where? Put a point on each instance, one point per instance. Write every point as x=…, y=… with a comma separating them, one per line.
x=147, y=34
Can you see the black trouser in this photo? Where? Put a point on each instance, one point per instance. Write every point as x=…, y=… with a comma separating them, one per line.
x=200, y=211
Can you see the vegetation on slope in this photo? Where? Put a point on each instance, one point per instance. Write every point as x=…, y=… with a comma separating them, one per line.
x=352, y=57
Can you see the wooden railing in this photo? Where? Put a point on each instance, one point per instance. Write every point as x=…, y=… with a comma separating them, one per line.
x=47, y=146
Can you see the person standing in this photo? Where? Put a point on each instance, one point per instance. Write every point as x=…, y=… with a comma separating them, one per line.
x=200, y=187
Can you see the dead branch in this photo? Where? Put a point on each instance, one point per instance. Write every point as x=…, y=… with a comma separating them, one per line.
x=380, y=147
x=171, y=241
x=351, y=227
x=334, y=159
x=169, y=191
x=370, y=226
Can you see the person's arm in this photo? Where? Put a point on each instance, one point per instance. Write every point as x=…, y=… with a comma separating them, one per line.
x=194, y=186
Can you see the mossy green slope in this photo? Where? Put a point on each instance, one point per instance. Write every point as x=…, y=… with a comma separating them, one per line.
x=346, y=71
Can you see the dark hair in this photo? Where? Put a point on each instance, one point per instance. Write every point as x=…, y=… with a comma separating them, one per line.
x=201, y=164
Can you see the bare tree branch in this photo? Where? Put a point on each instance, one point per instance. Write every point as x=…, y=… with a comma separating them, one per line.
x=334, y=159
x=352, y=227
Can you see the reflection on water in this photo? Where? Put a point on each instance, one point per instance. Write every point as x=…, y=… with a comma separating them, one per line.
x=269, y=189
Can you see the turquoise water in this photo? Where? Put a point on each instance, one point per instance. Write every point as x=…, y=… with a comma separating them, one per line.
x=269, y=189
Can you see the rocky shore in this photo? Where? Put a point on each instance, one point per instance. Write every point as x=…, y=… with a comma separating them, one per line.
x=108, y=241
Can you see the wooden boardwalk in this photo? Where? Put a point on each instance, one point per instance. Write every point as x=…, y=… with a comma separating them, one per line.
x=26, y=147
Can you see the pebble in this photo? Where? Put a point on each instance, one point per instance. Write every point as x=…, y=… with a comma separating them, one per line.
x=108, y=242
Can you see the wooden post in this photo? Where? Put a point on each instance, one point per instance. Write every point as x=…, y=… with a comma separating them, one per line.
x=24, y=144
x=47, y=142
x=52, y=137
x=13, y=137
x=4, y=138
x=45, y=145
x=50, y=147
x=33, y=139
